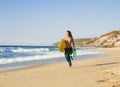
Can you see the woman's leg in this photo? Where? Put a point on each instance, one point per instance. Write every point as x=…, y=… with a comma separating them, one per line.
x=67, y=55
x=68, y=59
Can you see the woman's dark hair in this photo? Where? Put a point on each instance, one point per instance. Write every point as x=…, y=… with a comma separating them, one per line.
x=70, y=34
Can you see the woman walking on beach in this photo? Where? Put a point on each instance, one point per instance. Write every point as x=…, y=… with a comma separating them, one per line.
x=70, y=46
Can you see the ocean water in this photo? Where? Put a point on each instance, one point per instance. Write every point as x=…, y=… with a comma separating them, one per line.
x=19, y=56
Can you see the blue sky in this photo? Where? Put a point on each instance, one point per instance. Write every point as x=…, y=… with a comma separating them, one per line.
x=43, y=22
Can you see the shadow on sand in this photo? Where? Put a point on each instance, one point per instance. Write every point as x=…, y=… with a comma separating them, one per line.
x=102, y=64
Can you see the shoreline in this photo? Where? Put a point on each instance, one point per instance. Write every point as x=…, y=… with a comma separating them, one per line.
x=29, y=64
x=95, y=72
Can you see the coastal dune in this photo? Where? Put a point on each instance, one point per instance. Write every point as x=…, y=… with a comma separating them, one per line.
x=96, y=72
x=110, y=39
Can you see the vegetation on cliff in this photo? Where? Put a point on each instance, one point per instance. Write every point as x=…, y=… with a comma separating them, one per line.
x=111, y=39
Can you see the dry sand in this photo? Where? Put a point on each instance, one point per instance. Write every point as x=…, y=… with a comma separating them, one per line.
x=98, y=72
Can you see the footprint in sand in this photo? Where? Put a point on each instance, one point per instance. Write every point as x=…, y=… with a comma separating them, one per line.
x=112, y=71
x=116, y=85
x=102, y=80
x=113, y=82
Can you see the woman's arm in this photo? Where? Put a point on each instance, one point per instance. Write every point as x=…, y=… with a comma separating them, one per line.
x=73, y=43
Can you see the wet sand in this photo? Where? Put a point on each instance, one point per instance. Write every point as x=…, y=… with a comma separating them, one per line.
x=96, y=72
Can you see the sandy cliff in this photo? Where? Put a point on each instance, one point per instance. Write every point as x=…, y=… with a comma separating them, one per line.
x=111, y=39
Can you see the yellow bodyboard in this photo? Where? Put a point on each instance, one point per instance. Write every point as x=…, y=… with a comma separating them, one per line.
x=62, y=45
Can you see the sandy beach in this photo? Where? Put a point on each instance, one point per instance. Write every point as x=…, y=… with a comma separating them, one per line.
x=97, y=72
